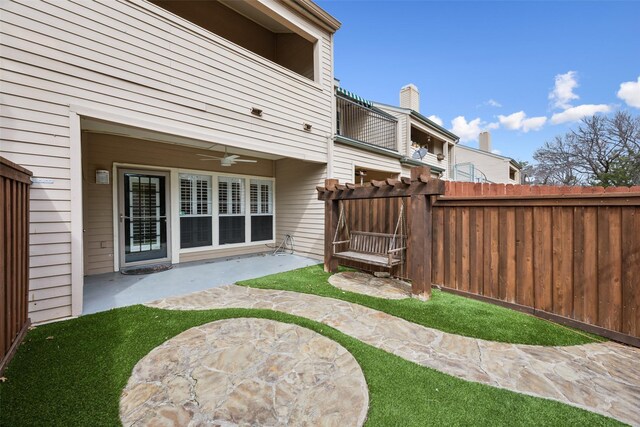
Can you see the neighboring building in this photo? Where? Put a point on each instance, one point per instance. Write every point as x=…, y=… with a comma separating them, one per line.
x=112, y=105
x=376, y=141
x=481, y=165
x=421, y=140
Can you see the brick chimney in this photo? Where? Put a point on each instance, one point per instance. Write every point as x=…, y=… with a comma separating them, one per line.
x=410, y=97
x=485, y=141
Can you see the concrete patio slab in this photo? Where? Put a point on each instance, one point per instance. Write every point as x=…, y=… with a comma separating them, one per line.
x=111, y=290
x=246, y=372
x=599, y=377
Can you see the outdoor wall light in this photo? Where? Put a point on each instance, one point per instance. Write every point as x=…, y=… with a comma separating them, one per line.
x=440, y=157
x=102, y=176
x=256, y=112
x=306, y=126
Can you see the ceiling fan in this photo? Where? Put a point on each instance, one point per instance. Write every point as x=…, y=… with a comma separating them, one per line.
x=227, y=160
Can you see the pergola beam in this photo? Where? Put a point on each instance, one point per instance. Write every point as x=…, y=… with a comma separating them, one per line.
x=420, y=187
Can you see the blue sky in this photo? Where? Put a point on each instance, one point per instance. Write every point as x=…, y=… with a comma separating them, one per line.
x=524, y=70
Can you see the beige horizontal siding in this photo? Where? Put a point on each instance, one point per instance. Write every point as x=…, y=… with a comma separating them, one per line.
x=136, y=61
x=299, y=212
x=50, y=282
x=38, y=314
x=346, y=157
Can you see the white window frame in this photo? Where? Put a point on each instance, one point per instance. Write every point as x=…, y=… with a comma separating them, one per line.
x=230, y=180
x=259, y=201
x=215, y=209
x=194, y=200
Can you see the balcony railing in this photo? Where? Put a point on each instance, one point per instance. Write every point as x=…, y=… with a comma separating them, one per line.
x=365, y=124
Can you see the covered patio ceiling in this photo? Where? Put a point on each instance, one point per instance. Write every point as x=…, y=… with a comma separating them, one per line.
x=111, y=128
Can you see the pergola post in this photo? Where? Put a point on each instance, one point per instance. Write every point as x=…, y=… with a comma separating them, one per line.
x=419, y=247
x=331, y=209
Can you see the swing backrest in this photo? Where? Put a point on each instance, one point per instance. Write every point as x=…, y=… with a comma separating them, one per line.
x=375, y=243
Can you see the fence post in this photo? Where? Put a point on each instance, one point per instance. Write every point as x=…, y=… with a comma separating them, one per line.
x=419, y=247
x=14, y=258
x=331, y=208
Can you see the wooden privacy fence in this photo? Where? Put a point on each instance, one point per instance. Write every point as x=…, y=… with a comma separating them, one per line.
x=14, y=257
x=569, y=254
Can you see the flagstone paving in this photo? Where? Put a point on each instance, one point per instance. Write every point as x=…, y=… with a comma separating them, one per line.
x=600, y=377
x=246, y=372
x=363, y=283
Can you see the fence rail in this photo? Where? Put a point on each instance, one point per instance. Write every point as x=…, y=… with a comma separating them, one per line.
x=15, y=182
x=570, y=254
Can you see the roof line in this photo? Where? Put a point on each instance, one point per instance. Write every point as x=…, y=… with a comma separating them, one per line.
x=316, y=13
x=512, y=161
x=428, y=121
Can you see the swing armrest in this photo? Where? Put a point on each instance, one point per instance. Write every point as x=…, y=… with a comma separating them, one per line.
x=395, y=250
x=342, y=241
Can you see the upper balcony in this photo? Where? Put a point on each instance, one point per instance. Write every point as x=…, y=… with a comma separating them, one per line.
x=246, y=25
x=358, y=120
x=429, y=148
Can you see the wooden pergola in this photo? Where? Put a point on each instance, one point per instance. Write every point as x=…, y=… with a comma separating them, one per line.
x=420, y=187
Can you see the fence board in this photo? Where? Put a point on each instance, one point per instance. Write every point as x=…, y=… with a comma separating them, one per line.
x=449, y=247
x=578, y=264
x=438, y=247
x=590, y=266
x=630, y=261
x=506, y=255
x=476, y=270
x=462, y=245
x=524, y=257
x=562, y=263
x=542, y=258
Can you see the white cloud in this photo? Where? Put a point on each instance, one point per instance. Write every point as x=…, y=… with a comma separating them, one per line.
x=630, y=93
x=435, y=119
x=498, y=152
x=562, y=93
x=573, y=114
x=533, y=123
x=490, y=103
x=469, y=130
x=494, y=125
x=519, y=121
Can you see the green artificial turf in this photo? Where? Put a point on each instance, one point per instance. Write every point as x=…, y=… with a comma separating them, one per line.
x=444, y=311
x=71, y=373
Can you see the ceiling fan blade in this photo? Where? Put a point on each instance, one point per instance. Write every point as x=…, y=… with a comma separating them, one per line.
x=208, y=157
x=231, y=156
x=245, y=161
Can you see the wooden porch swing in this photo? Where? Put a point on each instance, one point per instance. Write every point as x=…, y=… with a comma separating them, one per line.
x=380, y=249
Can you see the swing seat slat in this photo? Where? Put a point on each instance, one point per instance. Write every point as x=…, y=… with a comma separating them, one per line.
x=380, y=249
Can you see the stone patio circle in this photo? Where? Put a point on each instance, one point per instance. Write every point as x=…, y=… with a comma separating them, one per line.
x=246, y=372
x=363, y=283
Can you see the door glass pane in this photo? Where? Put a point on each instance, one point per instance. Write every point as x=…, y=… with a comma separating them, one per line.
x=145, y=222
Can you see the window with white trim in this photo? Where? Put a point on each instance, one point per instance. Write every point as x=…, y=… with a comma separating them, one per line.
x=195, y=211
x=231, y=210
x=261, y=197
